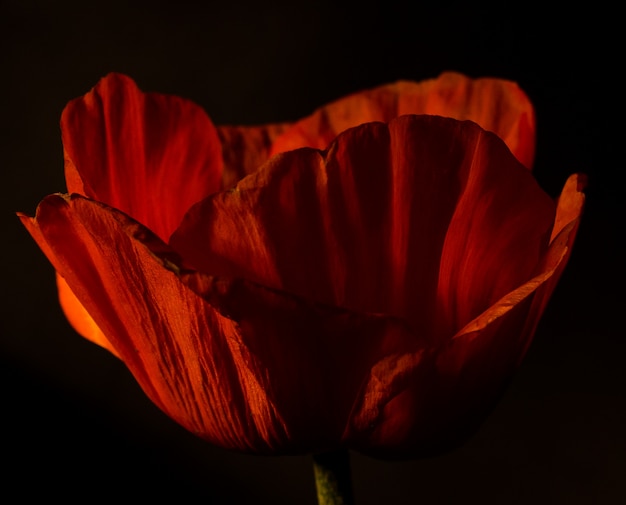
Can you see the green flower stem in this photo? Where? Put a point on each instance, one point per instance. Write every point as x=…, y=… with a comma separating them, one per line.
x=333, y=478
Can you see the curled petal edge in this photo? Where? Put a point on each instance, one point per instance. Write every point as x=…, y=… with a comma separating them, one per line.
x=569, y=210
x=413, y=367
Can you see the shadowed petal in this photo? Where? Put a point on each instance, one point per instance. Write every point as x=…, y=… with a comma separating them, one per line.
x=448, y=402
x=364, y=225
x=150, y=155
x=246, y=148
x=496, y=237
x=316, y=361
x=496, y=105
x=443, y=405
x=440, y=406
x=182, y=352
x=569, y=211
x=243, y=366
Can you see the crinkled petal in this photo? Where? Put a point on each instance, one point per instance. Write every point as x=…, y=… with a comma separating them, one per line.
x=150, y=155
x=238, y=364
x=364, y=226
x=496, y=105
x=317, y=362
x=74, y=311
x=246, y=148
x=183, y=353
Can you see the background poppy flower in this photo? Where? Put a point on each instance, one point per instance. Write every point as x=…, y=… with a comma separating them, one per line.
x=375, y=295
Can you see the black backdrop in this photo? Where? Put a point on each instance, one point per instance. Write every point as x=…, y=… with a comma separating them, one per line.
x=75, y=426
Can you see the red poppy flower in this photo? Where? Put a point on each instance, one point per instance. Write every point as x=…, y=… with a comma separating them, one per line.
x=374, y=290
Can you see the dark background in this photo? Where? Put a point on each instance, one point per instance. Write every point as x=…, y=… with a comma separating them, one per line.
x=75, y=426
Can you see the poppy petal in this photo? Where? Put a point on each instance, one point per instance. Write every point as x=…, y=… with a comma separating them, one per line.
x=238, y=365
x=319, y=363
x=79, y=318
x=363, y=226
x=372, y=286
x=182, y=352
x=569, y=210
x=444, y=404
x=496, y=237
x=570, y=205
x=496, y=105
x=246, y=148
x=568, y=213
x=150, y=155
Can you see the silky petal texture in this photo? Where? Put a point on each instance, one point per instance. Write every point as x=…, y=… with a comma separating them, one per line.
x=375, y=295
x=428, y=219
x=150, y=155
x=475, y=367
x=496, y=105
x=174, y=125
x=245, y=149
x=240, y=365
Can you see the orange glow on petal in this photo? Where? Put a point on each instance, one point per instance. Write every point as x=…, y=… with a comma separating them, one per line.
x=570, y=203
x=497, y=105
x=79, y=318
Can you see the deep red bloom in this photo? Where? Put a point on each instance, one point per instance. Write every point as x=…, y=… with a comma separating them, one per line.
x=374, y=290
